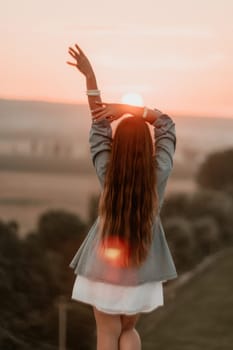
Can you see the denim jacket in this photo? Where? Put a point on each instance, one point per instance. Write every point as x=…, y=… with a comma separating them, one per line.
x=159, y=264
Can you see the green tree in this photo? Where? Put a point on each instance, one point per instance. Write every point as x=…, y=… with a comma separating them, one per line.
x=176, y=204
x=62, y=232
x=207, y=236
x=218, y=205
x=216, y=172
x=56, y=227
x=28, y=286
x=181, y=242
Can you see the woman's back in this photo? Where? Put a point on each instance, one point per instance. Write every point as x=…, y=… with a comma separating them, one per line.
x=158, y=264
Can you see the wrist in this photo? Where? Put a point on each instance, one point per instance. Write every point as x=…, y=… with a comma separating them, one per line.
x=91, y=80
x=152, y=115
x=90, y=74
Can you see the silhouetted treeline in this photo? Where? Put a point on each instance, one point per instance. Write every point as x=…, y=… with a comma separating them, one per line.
x=34, y=271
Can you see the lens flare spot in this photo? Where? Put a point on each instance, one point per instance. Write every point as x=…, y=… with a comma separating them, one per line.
x=114, y=251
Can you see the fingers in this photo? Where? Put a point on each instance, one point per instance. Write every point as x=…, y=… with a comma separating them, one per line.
x=99, y=118
x=99, y=109
x=72, y=52
x=80, y=50
x=75, y=53
x=71, y=63
x=100, y=103
x=109, y=118
x=101, y=114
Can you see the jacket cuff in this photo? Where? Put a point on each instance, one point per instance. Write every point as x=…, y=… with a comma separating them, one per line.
x=163, y=124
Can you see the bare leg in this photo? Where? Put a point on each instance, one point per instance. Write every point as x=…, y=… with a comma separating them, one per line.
x=129, y=339
x=108, y=330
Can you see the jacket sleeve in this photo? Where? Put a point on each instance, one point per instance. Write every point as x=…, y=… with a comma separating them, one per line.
x=100, y=140
x=165, y=146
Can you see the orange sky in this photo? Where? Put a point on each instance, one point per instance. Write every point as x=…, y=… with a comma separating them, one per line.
x=177, y=54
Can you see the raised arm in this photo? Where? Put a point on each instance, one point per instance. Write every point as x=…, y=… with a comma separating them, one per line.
x=114, y=111
x=165, y=146
x=84, y=66
x=100, y=137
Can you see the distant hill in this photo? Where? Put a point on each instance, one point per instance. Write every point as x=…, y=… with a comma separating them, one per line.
x=19, y=119
x=43, y=119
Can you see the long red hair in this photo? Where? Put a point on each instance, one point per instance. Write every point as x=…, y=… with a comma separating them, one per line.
x=129, y=200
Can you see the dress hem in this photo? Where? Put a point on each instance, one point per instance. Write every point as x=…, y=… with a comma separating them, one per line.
x=162, y=278
x=118, y=312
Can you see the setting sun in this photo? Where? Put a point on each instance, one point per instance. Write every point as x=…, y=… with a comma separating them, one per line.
x=132, y=98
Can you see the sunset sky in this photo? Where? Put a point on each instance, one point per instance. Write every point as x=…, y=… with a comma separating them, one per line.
x=177, y=54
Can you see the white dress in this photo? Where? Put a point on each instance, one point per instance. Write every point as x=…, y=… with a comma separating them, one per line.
x=116, y=299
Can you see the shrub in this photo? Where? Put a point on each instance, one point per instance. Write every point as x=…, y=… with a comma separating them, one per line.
x=181, y=242
x=216, y=204
x=207, y=236
x=216, y=172
x=175, y=205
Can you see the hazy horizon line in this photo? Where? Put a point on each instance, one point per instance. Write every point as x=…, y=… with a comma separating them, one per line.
x=80, y=103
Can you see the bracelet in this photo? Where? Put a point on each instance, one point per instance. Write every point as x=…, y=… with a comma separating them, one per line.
x=94, y=92
x=145, y=112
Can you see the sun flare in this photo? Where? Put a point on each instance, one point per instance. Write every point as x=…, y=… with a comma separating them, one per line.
x=132, y=98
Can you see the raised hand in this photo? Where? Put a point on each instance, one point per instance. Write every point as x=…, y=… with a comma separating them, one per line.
x=82, y=63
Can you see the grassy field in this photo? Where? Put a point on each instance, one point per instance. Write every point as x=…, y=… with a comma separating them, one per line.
x=25, y=195
x=201, y=315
